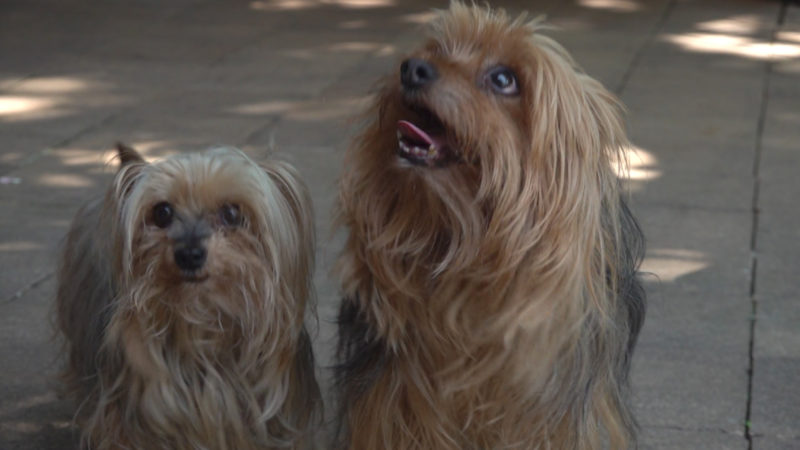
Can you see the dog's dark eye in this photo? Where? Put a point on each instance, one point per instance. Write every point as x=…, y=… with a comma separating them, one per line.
x=230, y=215
x=503, y=81
x=162, y=215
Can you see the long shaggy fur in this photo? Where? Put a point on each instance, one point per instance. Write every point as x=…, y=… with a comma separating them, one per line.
x=159, y=362
x=490, y=303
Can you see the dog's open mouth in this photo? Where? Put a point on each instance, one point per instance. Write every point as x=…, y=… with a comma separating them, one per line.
x=423, y=145
x=194, y=276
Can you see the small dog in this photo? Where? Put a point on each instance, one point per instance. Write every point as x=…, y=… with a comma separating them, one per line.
x=182, y=296
x=490, y=286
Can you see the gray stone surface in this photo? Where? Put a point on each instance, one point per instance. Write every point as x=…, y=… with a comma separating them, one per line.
x=775, y=415
x=289, y=76
x=691, y=361
x=676, y=438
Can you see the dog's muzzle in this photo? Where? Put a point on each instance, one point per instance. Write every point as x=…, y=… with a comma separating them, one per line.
x=189, y=248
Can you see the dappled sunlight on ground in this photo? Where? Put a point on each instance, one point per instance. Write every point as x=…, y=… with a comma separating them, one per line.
x=270, y=107
x=791, y=36
x=289, y=5
x=83, y=157
x=733, y=36
x=611, y=5
x=339, y=108
x=45, y=98
x=639, y=165
x=64, y=180
x=19, y=108
x=360, y=47
x=20, y=246
x=419, y=18
x=669, y=264
x=56, y=85
x=735, y=45
x=79, y=168
x=373, y=48
x=740, y=25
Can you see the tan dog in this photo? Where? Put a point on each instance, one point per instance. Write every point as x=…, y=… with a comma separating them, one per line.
x=182, y=295
x=491, y=298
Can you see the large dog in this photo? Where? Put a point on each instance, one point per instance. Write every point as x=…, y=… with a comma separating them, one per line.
x=490, y=274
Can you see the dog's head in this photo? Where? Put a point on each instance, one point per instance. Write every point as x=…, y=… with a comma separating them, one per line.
x=488, y=135
x=215, y=223
x=490, y=94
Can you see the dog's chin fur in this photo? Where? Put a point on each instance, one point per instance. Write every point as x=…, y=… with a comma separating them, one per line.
x=491, y=298
x=218, y=358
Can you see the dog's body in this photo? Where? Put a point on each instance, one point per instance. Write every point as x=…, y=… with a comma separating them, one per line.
x=491, y=298
x=182, y=296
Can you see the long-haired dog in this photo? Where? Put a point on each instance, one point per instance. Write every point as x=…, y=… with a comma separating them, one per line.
x=182, y=295
x=490, y=274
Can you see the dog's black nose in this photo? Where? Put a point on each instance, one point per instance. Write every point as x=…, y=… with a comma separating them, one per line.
x=190, y=257
x=416, y=73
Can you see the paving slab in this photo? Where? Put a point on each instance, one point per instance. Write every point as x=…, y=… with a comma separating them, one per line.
x=32, y=415
x=776, y=358
x=606, y=41
x=675, y=438
x=690, y=365
x=694, y=114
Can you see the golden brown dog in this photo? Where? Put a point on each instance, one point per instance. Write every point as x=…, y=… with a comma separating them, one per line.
x=181, y=295
x=491, y=298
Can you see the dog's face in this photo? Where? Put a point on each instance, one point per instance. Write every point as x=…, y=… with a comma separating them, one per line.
x=213, y=222
x=194, y=225
x=491, y=96
x=463, y=95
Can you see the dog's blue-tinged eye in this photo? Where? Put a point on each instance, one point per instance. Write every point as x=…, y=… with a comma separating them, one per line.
x=162, y=215
x=503, y=81
x=230, y=215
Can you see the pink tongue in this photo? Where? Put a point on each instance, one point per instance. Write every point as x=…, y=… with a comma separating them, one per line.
x=412, y=132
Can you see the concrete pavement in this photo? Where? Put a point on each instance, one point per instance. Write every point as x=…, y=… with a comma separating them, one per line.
x=713, y=93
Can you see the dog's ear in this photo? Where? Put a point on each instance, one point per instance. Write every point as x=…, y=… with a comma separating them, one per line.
x=295, y=206
x=575, y=113
x=130, y=167
x=607, y=112
x=128, y=155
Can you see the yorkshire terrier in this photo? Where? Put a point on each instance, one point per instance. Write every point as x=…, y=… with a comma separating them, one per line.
x=491, y=298
x=182, y=296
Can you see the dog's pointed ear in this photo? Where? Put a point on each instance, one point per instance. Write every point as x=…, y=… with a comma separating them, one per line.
x=128, y=155
x=131, y=164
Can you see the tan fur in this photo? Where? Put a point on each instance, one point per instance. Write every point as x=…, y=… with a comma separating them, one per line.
x=489, y=286
x=159, y=362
